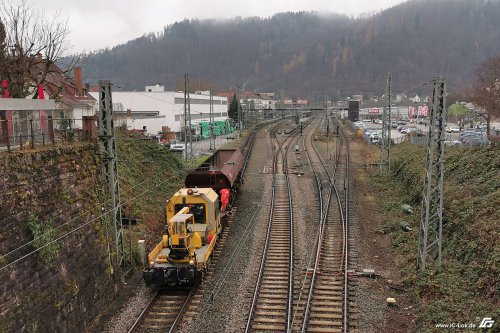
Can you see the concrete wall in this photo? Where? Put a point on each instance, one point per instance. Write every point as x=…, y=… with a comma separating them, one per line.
x=64, y=287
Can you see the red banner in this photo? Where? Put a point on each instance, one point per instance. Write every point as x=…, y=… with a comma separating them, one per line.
x=423, y=110
x=374, y=111
x=411, y=112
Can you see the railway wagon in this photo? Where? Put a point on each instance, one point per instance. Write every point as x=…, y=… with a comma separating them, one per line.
x=193, y=229
x=194, y=216
x=220, y=171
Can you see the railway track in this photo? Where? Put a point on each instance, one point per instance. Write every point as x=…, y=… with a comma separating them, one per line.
x=172, y=308
x=271, y=308
x=164, y=311
x=327, y=306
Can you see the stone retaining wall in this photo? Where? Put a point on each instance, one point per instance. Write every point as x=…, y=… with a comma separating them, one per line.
x=64, y=286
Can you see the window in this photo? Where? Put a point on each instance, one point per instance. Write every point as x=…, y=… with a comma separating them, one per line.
x=178, y=229
x=198, y=210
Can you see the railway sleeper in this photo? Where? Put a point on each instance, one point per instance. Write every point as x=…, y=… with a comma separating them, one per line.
x=321, y=308
x=270, y=313
x=266, y=319
x=325, y=315
x=328, y=293
x=162, y=314
x=329, y=287
x=267, y=328
x=272, y=294
x=161, y=320
x=324, y=330
x=319, y=322
x=272, y=301
x=321, y=298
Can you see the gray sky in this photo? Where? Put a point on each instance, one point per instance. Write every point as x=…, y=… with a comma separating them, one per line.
x=96, y=24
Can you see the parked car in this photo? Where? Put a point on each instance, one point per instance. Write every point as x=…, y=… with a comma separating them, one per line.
x=452, y=143
x=475, y=141
x=178, y=147
x=452, y=129
x=367, y=120
x=170, y=143
x=407, y=130
x=471, y=134
x=375, y=138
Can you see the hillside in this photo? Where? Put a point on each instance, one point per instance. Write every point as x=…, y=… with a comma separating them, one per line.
x=466, y=289
x=149, y=174
x=312, y=55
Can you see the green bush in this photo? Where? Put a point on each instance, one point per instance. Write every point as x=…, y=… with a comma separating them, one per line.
x=43, y=236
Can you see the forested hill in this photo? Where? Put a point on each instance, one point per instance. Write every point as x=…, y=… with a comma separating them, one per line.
x=314, y=55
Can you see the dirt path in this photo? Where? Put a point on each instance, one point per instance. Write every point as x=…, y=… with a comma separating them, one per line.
x=376, y=252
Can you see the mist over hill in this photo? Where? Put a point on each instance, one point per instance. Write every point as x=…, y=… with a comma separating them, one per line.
x=313, y=55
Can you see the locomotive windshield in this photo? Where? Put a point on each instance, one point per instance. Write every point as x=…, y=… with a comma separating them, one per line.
x=179, y=229
x=198, y=211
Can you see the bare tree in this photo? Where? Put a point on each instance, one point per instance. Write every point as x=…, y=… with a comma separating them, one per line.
x=33, y=45
x=486, y=90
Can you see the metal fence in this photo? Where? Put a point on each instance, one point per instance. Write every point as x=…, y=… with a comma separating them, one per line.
x=41, y=130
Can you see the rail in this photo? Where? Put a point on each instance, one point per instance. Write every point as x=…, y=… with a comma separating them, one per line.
x=173, y=308
x=279, y=231
x=325, y=235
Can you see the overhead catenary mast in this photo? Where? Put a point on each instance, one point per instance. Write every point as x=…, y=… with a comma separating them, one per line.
x=110, y=160
x=385, y=147
x=188, y=140
x=212, y=120
x=431, y=219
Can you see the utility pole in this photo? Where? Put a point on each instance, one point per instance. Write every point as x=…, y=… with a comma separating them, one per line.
x=110, y=160
x=431, y=220
x=212, y=120
x=188, y=150
x=385, y=147
x=239, y=111
x=244, y=111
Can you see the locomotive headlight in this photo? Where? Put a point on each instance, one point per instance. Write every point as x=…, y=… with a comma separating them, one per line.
x=191, y=262
x=151, y=263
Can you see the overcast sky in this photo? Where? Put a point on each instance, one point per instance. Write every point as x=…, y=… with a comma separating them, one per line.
x=95, y=24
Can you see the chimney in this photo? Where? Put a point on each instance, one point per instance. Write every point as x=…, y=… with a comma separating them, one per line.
x=78, y=81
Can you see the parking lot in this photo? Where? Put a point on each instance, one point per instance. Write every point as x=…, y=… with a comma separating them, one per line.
x=454, y=135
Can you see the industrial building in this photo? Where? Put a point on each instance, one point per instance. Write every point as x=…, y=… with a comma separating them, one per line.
x=156, y=110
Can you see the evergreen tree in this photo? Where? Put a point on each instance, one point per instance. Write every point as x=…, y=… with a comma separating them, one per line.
x=233, y=109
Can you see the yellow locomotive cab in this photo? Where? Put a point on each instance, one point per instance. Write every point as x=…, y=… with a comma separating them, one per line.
x=191, y=234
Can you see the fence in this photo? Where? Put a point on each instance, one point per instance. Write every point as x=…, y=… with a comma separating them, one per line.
x=41, y=130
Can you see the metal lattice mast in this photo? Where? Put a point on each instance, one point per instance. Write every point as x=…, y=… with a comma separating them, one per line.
x=190, y=133
x=109, y=157
x=385, y=147
x=188, y=140
x=431, y=220
x=212, y=120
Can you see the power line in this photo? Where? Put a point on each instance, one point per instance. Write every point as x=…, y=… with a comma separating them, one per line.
x=81, y=226
x=152, y=178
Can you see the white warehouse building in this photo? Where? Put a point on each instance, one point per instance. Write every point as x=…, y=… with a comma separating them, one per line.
x=154, y=109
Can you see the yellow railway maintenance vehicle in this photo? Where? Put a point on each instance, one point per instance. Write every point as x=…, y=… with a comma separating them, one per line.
x=193, y=229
